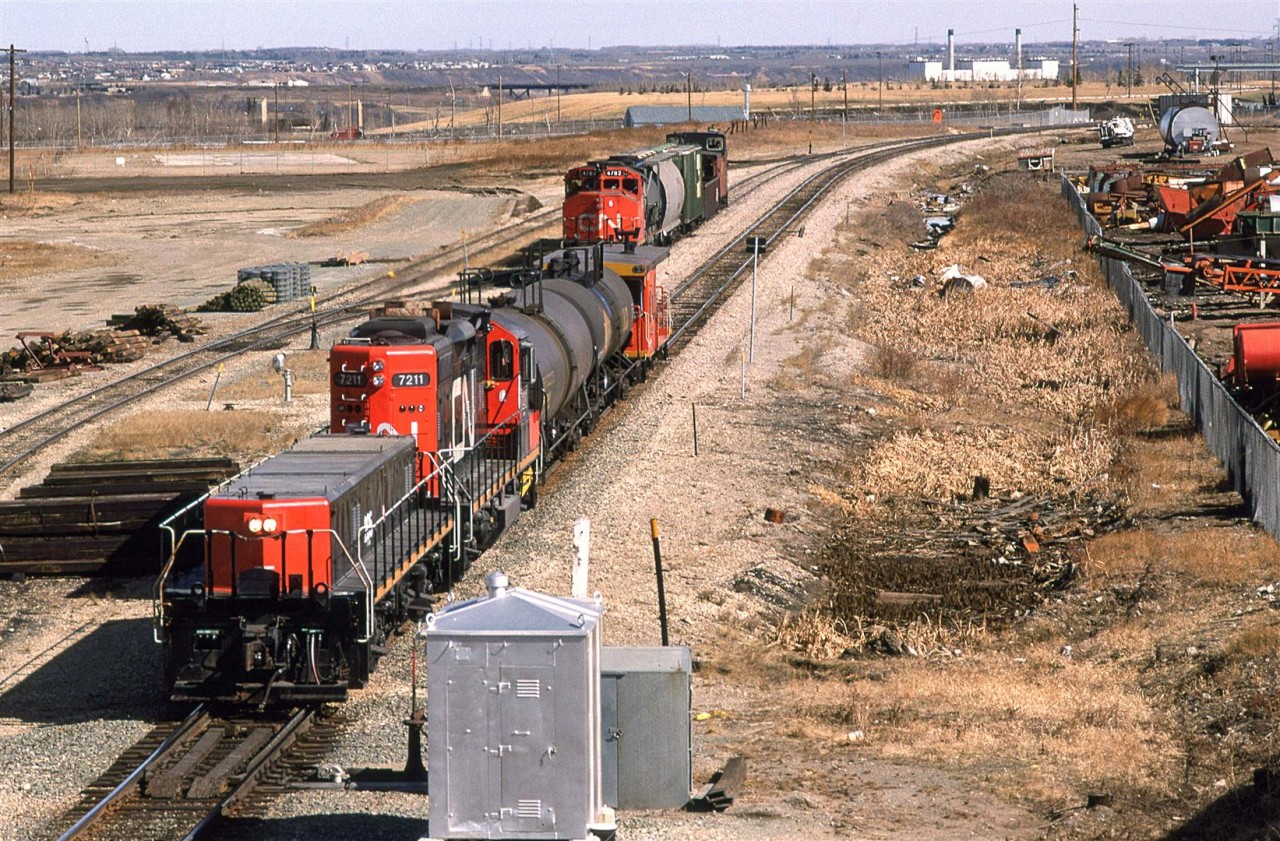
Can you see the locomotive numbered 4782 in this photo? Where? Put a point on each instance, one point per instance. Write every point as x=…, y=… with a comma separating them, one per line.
x=441, y=424
x=648, y=196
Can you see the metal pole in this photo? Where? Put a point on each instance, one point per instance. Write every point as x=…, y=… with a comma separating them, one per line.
x=755, y=264
x=813, y=93
x=499, y=106
x=880, y=70
x=12, y=106
x=1075, y=68
x=557, y=93
x=276, y=110
x=844, y=84
x=688, y=94
x=657, y=566
x=1129, y=77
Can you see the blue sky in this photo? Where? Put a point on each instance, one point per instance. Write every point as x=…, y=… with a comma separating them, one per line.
x=441, y=24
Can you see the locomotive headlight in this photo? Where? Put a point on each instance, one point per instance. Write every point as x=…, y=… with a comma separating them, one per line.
x=378, y=380
x=378, y=365
x=270, y=525
x=255, y=525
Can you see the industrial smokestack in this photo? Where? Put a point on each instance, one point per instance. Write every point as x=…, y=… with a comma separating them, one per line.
x=1017, y=50
x=951, y=52
x=746, y=100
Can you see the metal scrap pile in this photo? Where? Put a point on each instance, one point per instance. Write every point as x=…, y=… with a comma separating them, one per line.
x=940, y=210
x=1239, y=201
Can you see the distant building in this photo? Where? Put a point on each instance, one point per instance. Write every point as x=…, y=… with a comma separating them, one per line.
x=661, y=115
x=983, y=70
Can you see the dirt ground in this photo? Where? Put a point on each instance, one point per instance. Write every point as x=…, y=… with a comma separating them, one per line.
x=1134, y=698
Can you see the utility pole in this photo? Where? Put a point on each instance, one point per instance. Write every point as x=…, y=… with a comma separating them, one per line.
x=1129, y=76
x=844, y=85
x=688, y=93
x=499, y=106
x=880, y=70
x=1075, y=66
x=557, y=93
x=276, y=112
x=13, y=104
x=813, y=94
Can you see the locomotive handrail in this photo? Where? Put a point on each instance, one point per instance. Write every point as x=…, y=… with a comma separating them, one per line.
x=158, y=603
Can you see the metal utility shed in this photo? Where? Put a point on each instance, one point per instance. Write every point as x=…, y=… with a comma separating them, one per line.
x=648, y=757
x=513, y=717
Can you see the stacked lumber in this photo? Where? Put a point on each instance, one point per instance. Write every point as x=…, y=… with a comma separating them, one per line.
x=106, y=345
x=160, y=320
x=86, y=516
x=353, y=257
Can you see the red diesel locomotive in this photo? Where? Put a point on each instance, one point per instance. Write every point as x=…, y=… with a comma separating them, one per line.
x=441, y=424
x=648, y=196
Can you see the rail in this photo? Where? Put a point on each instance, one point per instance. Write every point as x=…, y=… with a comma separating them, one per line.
x=196, y=717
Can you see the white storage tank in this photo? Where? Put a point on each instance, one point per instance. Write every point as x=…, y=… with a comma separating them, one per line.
x=513, y=717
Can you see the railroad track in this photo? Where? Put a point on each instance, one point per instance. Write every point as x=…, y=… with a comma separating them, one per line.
x=25, y=439
x=183, y=778
x=30, y=436
x=692, y=300
x=695, y=298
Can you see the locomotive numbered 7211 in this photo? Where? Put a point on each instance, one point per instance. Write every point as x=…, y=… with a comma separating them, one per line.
x=441, y=425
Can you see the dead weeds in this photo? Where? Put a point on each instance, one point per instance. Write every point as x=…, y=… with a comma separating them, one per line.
x=310, y=376
x=19, y=259
x=356, y=217
x=241, y=435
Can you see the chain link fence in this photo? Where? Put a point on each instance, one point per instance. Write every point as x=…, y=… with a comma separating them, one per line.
x=1250, y=455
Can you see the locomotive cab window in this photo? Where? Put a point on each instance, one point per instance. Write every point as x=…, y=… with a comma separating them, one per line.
x=611, y=183
x=526, y=364
x=501, y=361
x=631, y=185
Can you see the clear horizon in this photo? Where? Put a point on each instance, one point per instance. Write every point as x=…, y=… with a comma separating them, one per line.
x=78, y=26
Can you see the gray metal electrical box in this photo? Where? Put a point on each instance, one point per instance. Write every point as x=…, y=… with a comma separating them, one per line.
x=645, y=707
x=513, y=717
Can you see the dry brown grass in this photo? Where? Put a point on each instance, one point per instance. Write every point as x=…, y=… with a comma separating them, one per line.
x=1146, y=407
x=1206, y=555
x=175, y=433
x=310, y=376
x=781, y=101
x=893, y=361
x=1260, y=638
x=36, y=204
x=1029, y=719
x=22, y=259
x=356, y=217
